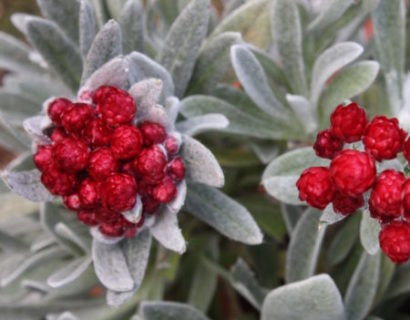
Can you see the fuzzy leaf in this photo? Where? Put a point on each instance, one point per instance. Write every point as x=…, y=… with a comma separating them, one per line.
x=33, y=127
x=200, y=164
x=254, y=81
x=400, y=283
x=146, y=94
x=113, y=73
x=240, y=122
x=200, y=124
x=344, y=240
x=362, y=287
x=329, y=216
x=115, y=8
x=111, y=267
x=115, y=299
x=142, y=67
x=87, y=27
x=63, y=12
x=303, y=111
x=316, y=298
x=167, y=232
x=132, y=26
x=390, y=37
x=106, y=46
x=304, y=246
x=183, y=42
x=16, y=108
x=176, y=204
x=280, y=176
x=330, y=12
x=287, y=34
x=28, y=185
x=350, y=82
x=251, y=20
x=243, y=280
x=136, y=251
x=213, y=63
x=57, y=49
x=15, y=55
x=159, y=310
x=223, y=213
x=329, y=62
x=69, y=273
x=369, y=233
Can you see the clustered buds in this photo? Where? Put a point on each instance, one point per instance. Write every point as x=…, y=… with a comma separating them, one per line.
x=352, y=173
x=100, y=162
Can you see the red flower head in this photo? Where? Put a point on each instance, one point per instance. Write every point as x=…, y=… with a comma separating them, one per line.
x=315, y=187
x=394, y=240
x=327, y=145
x=119, y=192
x=386, y=197
x=353, y=172
x=383, y=138
x=348, y=122
x=345, y=204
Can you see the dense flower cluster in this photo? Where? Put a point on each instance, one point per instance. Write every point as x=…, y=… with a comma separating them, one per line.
x=352, y=173
x=103, y=164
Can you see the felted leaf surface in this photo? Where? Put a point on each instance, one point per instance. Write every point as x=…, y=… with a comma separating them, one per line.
x=87, y=27
x=167, y=232
x=304, y=246
x=107, y=45
x=28, y=185
x=200, y=124
x=158, y=310
x=111, y=267
x=183, y=42
x=330, y=12
x=362, y=287
x=200, y=164
x=68, y=273
x=57, y=49
x=369, y=233
x=132, y=26
x=316, y=298
x=223, y=213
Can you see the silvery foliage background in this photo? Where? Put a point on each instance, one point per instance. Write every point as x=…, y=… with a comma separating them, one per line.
x=295, y=60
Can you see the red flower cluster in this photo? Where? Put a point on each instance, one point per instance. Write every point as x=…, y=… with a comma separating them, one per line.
x=100, y=162
x=352, y=173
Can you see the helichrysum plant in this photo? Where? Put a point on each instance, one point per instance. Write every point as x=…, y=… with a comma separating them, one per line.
x=128, y=114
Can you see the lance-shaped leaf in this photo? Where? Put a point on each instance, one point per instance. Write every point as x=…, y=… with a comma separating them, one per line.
x=362, y=287
x=176, y=204
x=146, y=94
x=242, y=122
x=390, y=38
x=344, y=240
x=142, y=67
x=200, y=124
x=63, y=12
x=245, y=283
x=113, y=73
x=115, y=299
x=132, y=26
x=316, y=298
x=328, y=63
x=28, y=185
x=304, y=247
x=115, y=8
x=369, y=233
x=251, y=20
x=34, y=126
x=181, y=47
x=57, y=49
x=136, y=252
x=223, y=213
x=213, y=62
x=107, y=45
x=279, y=178
x=16, y=108
x=303, y=111
x=158, y=310
x=111, y=267
x=254, y=81
x=329, y=216
x=400, y=283
x=201, y=165
x=69, y=273
x=87, y=27
x=350, y=82
x=287, y=34
x=14, y=55
x=167, y=232
x=330, y=12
